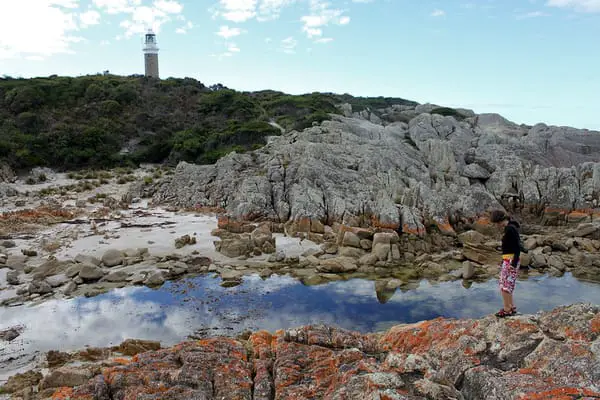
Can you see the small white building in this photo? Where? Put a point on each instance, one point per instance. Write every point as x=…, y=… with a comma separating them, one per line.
x=151, y=54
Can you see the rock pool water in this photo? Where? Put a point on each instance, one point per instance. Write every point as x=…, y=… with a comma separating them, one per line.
x=201, y=307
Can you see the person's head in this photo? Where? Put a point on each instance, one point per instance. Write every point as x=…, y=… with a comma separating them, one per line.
x=499, y=217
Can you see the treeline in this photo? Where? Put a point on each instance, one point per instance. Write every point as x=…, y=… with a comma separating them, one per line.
x=103, y=121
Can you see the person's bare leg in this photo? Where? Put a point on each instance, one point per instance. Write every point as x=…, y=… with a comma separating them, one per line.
x=506, y=300
x=511, y=301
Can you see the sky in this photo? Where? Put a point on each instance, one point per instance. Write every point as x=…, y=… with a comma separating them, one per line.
x=529, y=60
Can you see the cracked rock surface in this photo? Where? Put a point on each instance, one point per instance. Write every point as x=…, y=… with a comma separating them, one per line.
x=545, y=356
x=397, y=174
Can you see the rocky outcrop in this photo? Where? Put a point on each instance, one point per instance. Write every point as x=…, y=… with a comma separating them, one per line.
x=433, y=170
x=545, y=356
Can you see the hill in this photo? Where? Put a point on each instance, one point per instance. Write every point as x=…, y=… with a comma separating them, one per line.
x=104, y=121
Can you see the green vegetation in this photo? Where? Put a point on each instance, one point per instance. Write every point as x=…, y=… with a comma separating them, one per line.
x=448, y=112
x=88, y=122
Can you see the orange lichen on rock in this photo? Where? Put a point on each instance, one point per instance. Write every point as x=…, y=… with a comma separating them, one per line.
x=574, y=333
x=413, y=231
x=522, y=326
x=566, y=393
x=122, y=361
x=445, y=227
x=63, y=393
x=421, y=337
x=377, y=223
x=262, y=343
x=41, y=215
x=595, y=324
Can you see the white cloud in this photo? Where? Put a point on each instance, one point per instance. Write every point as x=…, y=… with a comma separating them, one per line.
x=169, y=6
x=227, y=32
x=288, y=45
x=37, y=28
x=91, y=17
x=438, y=13
x=238, y=10
x=117, y=6
x=183, y=30
x=321, y=16
x=232, y=48
x=590, y=6
x=141, y=17
x=324, y=40
x=533, y=14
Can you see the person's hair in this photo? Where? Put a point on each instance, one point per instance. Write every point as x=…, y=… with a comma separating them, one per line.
x=499, y=216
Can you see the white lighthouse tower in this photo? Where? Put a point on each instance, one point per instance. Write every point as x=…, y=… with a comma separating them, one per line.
x=151, y=54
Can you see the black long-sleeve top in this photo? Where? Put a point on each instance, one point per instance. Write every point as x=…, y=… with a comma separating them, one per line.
x=511, y=241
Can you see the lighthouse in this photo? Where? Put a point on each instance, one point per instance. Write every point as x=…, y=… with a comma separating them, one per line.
x=151, y=54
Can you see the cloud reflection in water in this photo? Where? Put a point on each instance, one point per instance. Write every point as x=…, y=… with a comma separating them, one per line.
x=176, y=310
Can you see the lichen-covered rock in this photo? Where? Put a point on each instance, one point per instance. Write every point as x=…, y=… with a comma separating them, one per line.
x=552, y=355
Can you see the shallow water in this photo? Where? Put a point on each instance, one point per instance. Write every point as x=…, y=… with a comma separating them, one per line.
x=199, y=306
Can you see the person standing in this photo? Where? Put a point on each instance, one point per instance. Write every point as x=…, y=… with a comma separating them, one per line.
x=509, y=268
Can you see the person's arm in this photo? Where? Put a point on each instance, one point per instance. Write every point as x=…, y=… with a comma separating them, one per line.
x=515, y=244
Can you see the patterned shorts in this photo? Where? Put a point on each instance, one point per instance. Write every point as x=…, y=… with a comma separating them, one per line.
x=508, y=276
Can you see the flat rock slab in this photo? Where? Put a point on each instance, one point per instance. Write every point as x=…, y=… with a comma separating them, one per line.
x=542, y=356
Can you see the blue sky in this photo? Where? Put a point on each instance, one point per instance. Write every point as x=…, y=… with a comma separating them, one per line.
x=529, y=60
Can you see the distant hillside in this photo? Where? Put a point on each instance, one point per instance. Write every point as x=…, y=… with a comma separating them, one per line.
x=101, y=121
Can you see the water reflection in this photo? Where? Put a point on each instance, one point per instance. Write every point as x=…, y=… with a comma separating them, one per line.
x=178, y=309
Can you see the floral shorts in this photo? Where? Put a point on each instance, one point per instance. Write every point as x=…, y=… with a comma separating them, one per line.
x=508, y=276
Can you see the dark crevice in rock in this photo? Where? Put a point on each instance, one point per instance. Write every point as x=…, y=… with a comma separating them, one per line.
x=460, y=381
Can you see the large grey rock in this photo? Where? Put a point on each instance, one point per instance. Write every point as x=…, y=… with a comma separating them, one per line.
x=347, y=169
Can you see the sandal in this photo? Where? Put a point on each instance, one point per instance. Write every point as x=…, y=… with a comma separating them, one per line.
x=502, y=313
x=513, y=310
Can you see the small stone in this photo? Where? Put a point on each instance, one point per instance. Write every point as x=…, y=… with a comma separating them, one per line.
x=57, y=280
x=56, y=358
x=70, y=288
x=184, y=241
x=265, y=273
x=39, y=287
x=85, y=259
x=350, y=239
x=468, y=270
x=112, y=258
x=118, y=276
x=155, y=279
x=90, y=273
x=229, y=274
x=10, y=334
x=132, y=347
x=12, y=277
x=9, y=244
x=366, y=244
x=21, y=381
x=29, y=252
x=66, y=376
